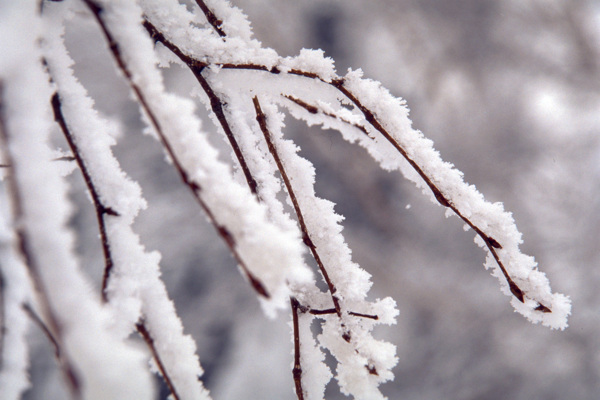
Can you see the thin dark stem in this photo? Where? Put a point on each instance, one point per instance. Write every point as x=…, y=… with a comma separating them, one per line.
x=217, y=107
x=24, y=247
x=297, y=370
x=62, y=158
x=375, y=317
x=332, y=311
x=194, y=187
x=316, y=110
x=43, y=327
x=101, y=210
x=262, y=122
x=212, y=19
x=143, y=331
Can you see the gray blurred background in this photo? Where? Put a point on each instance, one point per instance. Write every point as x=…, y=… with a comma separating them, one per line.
x=509, y=90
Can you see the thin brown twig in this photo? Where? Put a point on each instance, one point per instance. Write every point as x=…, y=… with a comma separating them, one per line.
x=101, y=210
x=43, y=327
x=24, y=247
x=297, y=369
x=328, y=311
x=143, y=331
x=61, y=158
x=316, y=110
x=212, y=19
x=194, y=187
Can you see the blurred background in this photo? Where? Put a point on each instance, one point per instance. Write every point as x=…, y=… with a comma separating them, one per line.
x=509, y=90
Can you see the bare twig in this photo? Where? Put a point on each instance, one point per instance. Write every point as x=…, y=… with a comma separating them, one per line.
x=297, y=369
x=332, y=311
x=65, y=158
x=194, y=187
x=212, y=19
x=43, y=327
x=101, y=210
x=61, y=158
x=316, y=110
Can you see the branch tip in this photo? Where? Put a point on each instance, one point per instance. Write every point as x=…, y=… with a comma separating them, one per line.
x=543, y=308
x=492, y=242
x=372, y=370
x=516, y=291
x=258, y=285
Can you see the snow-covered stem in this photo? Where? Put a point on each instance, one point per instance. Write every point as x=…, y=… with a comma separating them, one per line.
x=143, y=331
x=216, y=104
x=15, y=291
x=490, y=242
x=37, y=320
x=31, y=262
x=212, y=19
x=101, y=210
x=262, y=122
